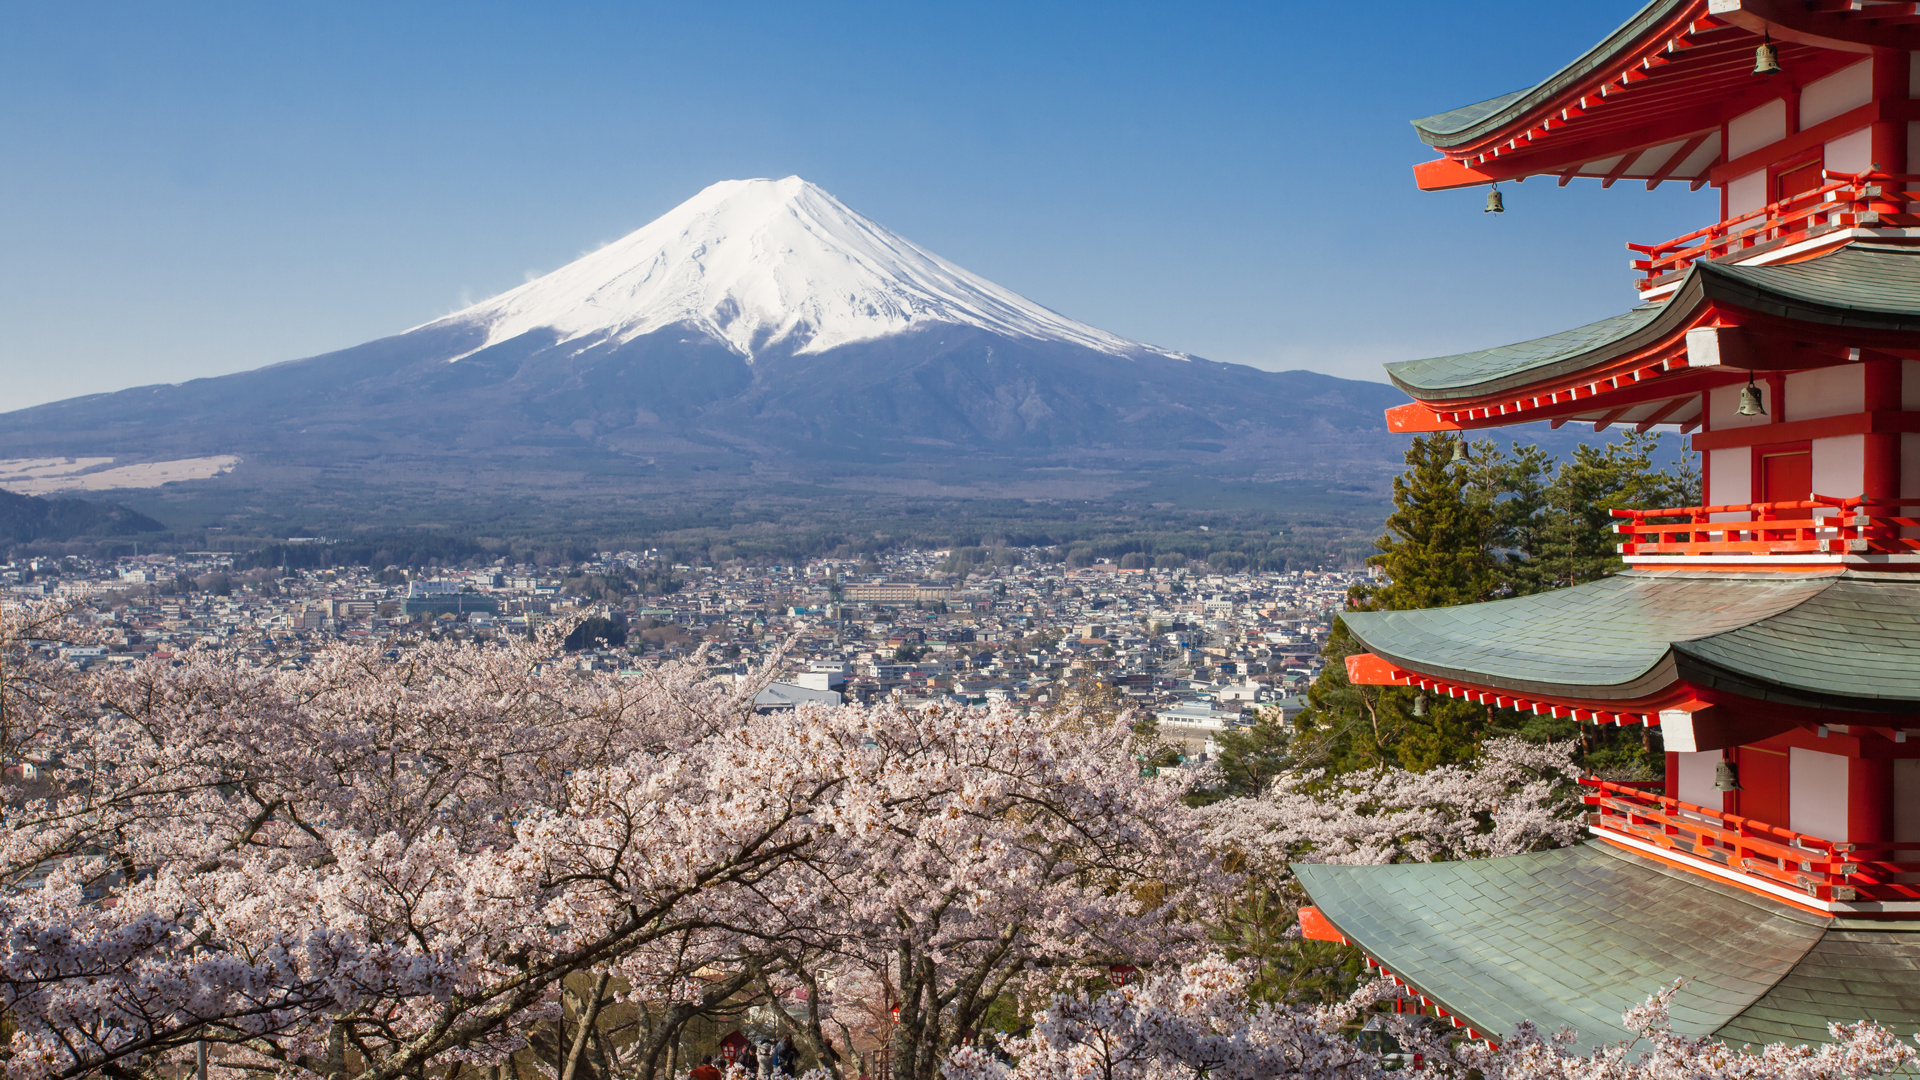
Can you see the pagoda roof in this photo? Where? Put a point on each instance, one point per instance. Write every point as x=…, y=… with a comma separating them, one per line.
x=1872, y=287
x=1468, y=122
x=1846, y=640
x=1647, y=102
x=1576, y=936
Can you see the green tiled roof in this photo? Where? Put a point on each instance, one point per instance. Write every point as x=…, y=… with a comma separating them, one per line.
x=1860, y=285
x=1574, y=937
x=1440, y=125
x=1859, y=639
x=1846, y=640
x=1598, y=340
x=1879, y=281
x=1456, y=126
x=1849, y=975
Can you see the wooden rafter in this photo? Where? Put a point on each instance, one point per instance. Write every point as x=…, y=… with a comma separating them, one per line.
x=1687, y=80
x=1610, y=419
x=1620, y=169
x=1678, y=159
x=1660, y=414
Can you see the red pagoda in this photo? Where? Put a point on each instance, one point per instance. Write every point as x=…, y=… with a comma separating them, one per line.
x=1773, y=632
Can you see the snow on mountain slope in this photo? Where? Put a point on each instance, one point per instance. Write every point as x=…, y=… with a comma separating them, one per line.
x=757, y=263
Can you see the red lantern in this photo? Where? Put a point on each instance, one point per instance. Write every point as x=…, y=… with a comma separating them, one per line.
x=734, y=1045
x=1121, y=974
x=896, y=1014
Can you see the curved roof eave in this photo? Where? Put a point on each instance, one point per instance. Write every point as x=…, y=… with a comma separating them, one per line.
x=1469, y=123
x=1860, y=286
x=1607, y=640
x=1847, y=640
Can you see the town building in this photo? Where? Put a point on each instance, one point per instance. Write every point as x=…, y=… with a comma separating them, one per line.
x=1772, y=633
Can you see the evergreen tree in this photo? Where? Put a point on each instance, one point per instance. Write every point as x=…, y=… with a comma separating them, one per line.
x=1436, y=549
x=1466, y=528
x=1576, y=542
x=1251, y=757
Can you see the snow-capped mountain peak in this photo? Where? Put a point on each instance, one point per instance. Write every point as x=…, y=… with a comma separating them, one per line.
x=760, y=263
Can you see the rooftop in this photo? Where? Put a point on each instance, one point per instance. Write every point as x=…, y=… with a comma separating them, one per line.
x=1574, y=937
x=1857, y=287
x=1838, y=640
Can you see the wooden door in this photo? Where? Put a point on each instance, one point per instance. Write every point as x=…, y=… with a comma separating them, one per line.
x=1791, y=182
x=1786, y=476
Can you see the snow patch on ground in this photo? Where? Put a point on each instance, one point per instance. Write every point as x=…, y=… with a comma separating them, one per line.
x=757, y=263
x=45, y=476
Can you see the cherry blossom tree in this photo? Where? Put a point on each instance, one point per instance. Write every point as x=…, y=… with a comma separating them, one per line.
x=1515, y=797
x=1197, y=1021
x=1006, y=852
x=376, y=865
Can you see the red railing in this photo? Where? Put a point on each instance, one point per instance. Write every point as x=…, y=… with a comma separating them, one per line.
x=1826, y=870
x=1868, y=200
x=1847, y=527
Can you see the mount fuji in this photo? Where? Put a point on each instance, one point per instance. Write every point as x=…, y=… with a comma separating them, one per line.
x=760, y=333
x=767, y=266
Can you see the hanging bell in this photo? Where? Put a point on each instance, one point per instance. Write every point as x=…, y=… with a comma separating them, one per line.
x=1751, y=403
x=1460, y=451
x=1494, y=205
x=1420, y=706
x=1725, y=776
x=1766, y=59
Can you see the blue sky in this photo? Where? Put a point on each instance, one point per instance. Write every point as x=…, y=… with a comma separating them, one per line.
x=188, y=190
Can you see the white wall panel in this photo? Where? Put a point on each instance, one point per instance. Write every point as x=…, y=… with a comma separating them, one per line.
x=1746, y=194
x=1851, y=153
x=1839, y=465
x=1831, y=391
x=1729, y=479
x=1696, y=779
x=1817, y=794
x=1757, y=128
x=1824, y=99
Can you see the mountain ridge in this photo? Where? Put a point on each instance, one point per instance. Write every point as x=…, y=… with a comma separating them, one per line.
x=761, y=333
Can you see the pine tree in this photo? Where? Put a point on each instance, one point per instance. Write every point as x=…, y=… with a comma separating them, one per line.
x=1435, y=552
x=1465, y=528
x=1250, y=758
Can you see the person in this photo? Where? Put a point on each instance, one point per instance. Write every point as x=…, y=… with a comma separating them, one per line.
x=749, y=1060
x=704, y=1070
x=785, y=1057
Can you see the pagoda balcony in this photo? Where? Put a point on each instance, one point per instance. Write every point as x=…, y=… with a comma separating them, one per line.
x=1811, y=530
x=1859, y=878
x=1846, y=207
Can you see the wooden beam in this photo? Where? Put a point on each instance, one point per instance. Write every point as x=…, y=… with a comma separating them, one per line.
x=1663, y=412
x=1872, y=112
x=1824, y=427
x=1620, y=168
x=1609, y=419
x=1679, y=158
